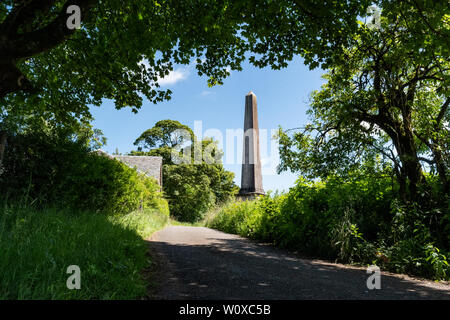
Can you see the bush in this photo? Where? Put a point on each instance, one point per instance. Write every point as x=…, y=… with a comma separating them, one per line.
x=53, y=169
x=241, y=218
x=410, y=245
x=194, y=179
x=99, y=183
x=194, y=189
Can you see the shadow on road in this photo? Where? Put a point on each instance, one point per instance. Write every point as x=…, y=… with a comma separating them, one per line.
x=241, y=269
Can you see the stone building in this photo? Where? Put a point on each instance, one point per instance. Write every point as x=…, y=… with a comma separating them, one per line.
x=148, y=165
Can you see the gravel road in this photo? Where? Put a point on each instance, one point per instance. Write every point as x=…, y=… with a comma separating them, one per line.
x=202, y=263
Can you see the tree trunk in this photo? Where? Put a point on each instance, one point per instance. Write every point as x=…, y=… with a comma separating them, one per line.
x=401, y=179
x=11, y=79
x=3, y=137
x=442, y=171
x=407, y=152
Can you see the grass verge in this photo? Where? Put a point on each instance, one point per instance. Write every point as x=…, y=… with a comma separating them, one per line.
x=174, y=222
x=37, y=247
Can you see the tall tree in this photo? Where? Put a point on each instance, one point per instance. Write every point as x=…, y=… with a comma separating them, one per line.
x=165, y=133
x=193, y=174
x=388, y=93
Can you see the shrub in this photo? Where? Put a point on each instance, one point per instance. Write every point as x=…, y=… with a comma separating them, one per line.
x=102, y=184
x=238, y=218
x=410, y=246
x=51, y=168
x=193, y=189
x=194, y=180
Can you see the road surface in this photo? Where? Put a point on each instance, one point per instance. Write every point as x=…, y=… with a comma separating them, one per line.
x=202, y=263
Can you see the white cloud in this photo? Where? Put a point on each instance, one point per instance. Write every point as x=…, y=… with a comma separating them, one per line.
x=174, y=77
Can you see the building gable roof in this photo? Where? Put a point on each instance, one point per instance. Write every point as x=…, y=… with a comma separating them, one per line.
x=149, y=165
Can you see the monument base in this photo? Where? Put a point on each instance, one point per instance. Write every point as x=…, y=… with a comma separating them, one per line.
x=248, y=196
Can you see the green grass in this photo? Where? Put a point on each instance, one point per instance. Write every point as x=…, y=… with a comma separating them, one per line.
x=175, y=222
x=37, y=246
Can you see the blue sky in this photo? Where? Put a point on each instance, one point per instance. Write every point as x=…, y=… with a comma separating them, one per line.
x=282, y=100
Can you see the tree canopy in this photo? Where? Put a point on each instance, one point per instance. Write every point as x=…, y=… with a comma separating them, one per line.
x=194, y=177
x=124, y=48
x=387, y=95
x=165, y=133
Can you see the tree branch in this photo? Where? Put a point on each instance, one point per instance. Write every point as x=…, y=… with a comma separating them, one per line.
x=442, y=112
x=23, y=15
x=431, y=162
x=25, y=45
x=34, y=42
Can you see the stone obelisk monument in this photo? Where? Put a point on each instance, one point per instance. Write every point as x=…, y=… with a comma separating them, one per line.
x=251, y=180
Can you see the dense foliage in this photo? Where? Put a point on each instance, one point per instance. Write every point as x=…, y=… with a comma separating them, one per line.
x=193, y=189
x=60, y=205
x=375, y=152
x=53, y=60
x=387, y=95
x=37, y=247
x=53, y=168
x=194, y=179
x=357, y=219
x=165, y=133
